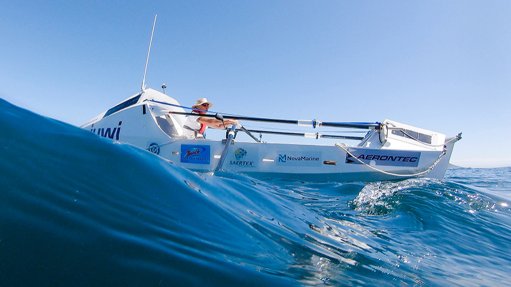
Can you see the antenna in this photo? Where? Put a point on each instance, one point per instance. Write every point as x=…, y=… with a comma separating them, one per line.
x=148, y=53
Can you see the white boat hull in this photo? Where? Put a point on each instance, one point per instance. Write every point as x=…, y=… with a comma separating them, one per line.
x=382, y=155
x=306, y=162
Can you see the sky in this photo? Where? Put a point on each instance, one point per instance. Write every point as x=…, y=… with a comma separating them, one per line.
x=439, y=65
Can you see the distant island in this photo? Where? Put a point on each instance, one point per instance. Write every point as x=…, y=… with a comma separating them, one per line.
x=453, y=166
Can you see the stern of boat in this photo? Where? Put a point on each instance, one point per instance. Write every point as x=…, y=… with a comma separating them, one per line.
x=439, y=170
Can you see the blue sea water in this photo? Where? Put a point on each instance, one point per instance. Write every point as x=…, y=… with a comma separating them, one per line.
x=80, y=210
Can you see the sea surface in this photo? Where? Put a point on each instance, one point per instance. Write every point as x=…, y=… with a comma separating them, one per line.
x=80, y=210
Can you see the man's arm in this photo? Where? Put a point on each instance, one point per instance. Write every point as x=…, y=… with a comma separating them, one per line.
x=217, y=124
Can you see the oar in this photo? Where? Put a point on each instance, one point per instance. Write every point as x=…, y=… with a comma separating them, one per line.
x=313, y=123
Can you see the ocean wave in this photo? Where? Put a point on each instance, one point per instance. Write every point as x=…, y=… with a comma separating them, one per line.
x=80, y=210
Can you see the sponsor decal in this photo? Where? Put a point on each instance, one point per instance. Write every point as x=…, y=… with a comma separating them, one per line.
x=305, y=158
x=154, y=148
x=199, y=154
x=241, y=159
x=384, y=157
x=240, y=153
x=111, y=133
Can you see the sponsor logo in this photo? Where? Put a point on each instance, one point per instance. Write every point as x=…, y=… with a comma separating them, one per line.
x=384, y=157
x=199, y=154
x=286, y=158
x=154, y=148
x=239, y=155
x=111, y=133
x=299, y=158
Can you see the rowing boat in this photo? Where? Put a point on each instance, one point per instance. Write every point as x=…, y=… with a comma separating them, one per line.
x=388, y=150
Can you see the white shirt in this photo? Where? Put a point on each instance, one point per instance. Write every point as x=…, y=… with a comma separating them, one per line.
x=191, y=126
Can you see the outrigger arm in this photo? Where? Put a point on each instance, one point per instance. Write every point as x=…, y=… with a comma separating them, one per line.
x=230, y=136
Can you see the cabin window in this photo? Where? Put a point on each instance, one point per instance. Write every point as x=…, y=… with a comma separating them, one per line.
x=412, y=135
x=123, y=105
x=167, y=126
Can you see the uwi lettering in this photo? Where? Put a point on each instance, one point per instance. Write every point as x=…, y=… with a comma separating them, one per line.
x=111, y=133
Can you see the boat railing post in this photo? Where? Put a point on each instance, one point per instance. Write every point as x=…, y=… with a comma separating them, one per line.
x=230, y=136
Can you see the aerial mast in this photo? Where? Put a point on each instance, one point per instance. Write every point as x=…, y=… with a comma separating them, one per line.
x=148, y=53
